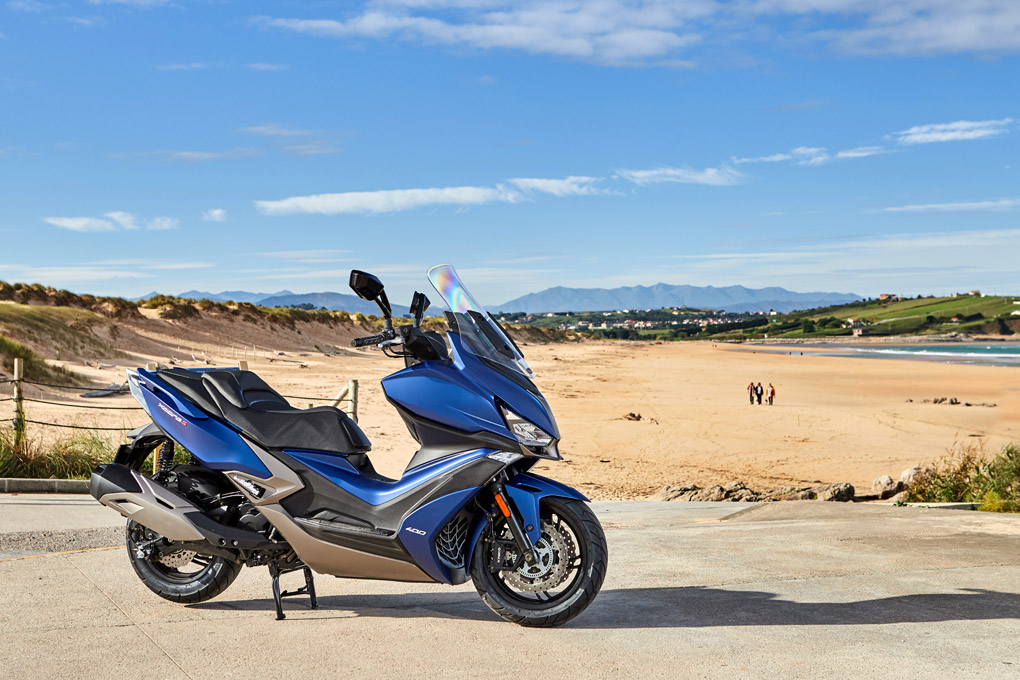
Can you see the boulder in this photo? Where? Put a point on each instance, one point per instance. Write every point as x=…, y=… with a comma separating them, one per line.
x=675, y=493
x=886, y=487
x=915, y=475
x=840, y=491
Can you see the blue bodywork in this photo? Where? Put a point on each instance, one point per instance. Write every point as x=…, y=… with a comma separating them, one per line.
x=463, y=394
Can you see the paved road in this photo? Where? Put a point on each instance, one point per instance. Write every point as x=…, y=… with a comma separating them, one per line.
x=790, y=590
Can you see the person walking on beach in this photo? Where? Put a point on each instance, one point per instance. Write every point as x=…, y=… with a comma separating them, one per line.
x=771, y=392
x=750, y=392
x=758, y=391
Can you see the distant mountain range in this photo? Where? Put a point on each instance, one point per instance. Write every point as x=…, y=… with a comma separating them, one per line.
x=730, y=299
x=560, y=299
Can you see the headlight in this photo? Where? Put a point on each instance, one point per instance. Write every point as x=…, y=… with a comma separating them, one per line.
x=527, y=433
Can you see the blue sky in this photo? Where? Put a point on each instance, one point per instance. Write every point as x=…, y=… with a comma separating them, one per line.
x=859, y=146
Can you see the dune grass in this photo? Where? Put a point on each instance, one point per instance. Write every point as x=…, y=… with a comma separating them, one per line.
x=966, y=476
x=35, y=367
x=70, y=457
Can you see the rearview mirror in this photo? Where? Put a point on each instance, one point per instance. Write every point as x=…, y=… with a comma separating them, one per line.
x=419, y=303
x=369, y=287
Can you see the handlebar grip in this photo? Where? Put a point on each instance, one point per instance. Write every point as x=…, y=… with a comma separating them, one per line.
x=370, y=340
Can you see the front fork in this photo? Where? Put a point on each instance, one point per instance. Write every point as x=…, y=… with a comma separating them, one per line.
x=524, y=544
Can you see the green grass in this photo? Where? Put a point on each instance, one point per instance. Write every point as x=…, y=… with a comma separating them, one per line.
x=60, y=330
x=35, y=368
x=968, y=477
x=71, y=457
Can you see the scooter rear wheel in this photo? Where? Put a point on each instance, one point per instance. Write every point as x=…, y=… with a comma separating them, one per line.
x=571, y=567
x=182, y=575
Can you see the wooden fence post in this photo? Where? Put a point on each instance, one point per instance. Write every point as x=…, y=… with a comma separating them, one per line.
x=352, y=400
x=19, y=404
x=348, y=394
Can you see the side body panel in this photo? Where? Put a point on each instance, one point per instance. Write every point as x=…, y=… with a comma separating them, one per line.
x=218, y=446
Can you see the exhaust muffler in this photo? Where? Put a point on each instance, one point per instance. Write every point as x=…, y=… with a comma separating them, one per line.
x=151, y=505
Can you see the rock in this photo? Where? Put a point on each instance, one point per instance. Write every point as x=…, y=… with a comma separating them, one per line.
x=915, y=475
x=901, y=497
x=632, y=416
x=712, y=493
x=674, y=493
x=840, y=491
x=797, y=495
x=885, y=487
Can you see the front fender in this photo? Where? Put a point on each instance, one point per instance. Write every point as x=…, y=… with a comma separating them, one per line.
x=526, y=491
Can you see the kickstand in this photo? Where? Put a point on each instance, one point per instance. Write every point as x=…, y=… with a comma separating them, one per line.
x=307, y=589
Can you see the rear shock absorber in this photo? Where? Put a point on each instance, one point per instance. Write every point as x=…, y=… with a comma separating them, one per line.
x=165, y=456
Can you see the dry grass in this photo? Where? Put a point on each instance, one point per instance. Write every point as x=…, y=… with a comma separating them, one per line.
x=70, y=457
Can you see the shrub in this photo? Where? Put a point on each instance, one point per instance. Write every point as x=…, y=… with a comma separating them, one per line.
x=35, y=367
x=178, y=311
x=72, y=457
x=968, y=477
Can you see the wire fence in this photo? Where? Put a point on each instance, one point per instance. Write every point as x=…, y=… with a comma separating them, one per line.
x=349, y=396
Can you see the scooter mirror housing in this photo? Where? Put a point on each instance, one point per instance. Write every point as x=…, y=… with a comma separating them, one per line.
x=369, y=287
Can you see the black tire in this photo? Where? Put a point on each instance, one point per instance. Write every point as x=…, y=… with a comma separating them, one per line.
x=209, y=578
x=580, y=586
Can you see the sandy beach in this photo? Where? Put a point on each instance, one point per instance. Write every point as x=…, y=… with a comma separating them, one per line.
x=834, y=419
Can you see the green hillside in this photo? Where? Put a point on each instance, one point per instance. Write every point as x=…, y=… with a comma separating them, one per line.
x=971, y=314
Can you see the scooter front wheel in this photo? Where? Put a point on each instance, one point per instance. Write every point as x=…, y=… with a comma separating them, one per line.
x=566, y=578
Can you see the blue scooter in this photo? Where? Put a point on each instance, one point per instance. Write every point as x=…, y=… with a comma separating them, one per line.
x=263, y=483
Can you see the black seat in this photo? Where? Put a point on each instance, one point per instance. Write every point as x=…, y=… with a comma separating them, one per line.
x=245, y=401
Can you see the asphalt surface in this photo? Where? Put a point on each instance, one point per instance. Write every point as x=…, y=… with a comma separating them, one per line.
x=792, y=590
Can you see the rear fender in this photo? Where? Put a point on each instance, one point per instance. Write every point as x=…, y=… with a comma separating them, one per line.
x=526, y=491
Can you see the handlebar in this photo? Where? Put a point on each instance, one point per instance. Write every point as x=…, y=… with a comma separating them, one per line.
x=387, y=334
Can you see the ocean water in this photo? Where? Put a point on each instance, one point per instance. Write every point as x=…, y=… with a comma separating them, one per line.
x=995, y=353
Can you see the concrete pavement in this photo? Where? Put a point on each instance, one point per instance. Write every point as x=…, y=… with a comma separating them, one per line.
x=792, y=590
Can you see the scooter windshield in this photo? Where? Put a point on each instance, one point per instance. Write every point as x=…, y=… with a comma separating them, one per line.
x=480, y=333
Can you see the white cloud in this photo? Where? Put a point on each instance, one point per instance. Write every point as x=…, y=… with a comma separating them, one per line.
x=274, y=130
x=773, y=158
x=814, y=155
x=611, y=32
x=570, y=186
x=190, y=66
x=264, y=66
x=162, y=223
x=972, y=206
x=945, y=262
x=82, y=224
x=394, y=200
x=124, y=219
x=214, y=215
x=810, y=155
x=654, y=32
x=68, y=275
x=722, y=176
x=202, y=156
x=862, y=152
x=116, y=220
x=951, y=132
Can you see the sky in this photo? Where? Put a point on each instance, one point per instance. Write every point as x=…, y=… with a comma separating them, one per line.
x=863, y=146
